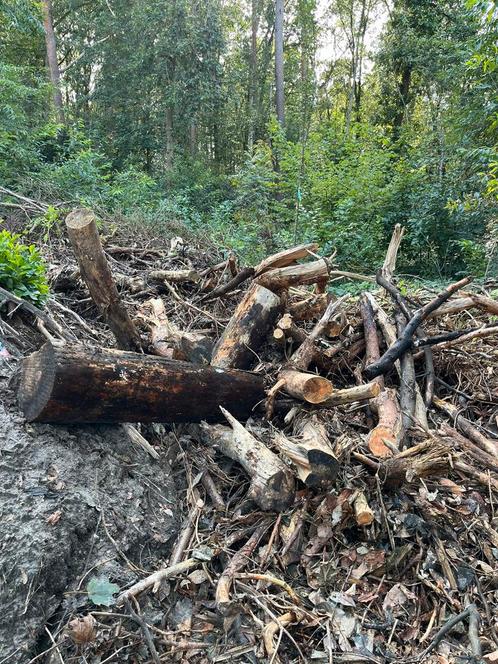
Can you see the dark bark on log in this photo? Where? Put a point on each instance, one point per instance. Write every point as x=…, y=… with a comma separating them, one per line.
x=72, y=384
x=386, y=362
x=84, y=236
x=247, y=329
x=311, y=453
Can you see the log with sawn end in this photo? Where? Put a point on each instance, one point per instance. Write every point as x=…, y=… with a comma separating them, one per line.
x=94, y=268
x=310, y=451
x=74, y=384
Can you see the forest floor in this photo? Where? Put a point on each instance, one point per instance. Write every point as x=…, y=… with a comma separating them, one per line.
x=86, y=512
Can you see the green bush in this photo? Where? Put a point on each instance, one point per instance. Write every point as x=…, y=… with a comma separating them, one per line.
x=22, y=271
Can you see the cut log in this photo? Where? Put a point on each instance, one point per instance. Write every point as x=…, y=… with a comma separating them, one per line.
x=464, y=303
x=286, y=328
x=303, y=357
x=309, y=308
x=71, y=384
x=389, y=333
x=94, y=268
x=286, y=257
x=385, y=438
x=168, y=341
x=306, y=386
x=272, y=483
x=311, y=453
x=174, y=276
x=282, y=278
x=253, y=318
x=352, y=394
x=362, y=510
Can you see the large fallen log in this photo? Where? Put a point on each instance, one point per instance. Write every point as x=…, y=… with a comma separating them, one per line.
x=71, y=384
x=248, y=327
x=286, y=257
x=94, y=268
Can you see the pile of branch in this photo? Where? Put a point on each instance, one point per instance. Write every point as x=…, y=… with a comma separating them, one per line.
x=295, y=385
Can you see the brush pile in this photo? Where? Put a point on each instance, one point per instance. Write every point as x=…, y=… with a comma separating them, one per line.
x=337, y=457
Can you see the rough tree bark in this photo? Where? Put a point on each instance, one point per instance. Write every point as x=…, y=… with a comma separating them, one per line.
x=279, y=62
x=72, y=384
x=52, y=62
x=94, y=268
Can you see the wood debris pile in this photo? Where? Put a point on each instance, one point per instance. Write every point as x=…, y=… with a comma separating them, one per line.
x=339, y=456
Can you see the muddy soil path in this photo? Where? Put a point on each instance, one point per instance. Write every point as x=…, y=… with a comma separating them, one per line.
x=76, y=502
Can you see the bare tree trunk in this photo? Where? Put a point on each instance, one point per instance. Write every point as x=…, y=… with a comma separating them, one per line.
x=53, y=65
x=169, y=138
x=253, y=74
x=279, y=61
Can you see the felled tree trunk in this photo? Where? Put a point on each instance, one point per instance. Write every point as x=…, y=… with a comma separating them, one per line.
x=72, y=384
x=247, y=329
x=282, y=278
x=286, y=257
x=84, y=236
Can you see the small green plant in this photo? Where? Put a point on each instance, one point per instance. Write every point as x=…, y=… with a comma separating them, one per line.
x=22, y=270
x=47, y=222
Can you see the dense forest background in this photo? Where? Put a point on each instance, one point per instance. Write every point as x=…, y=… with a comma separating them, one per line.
x=262, y=123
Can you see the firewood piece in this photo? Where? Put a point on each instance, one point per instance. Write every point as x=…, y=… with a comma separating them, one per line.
x=311, y=453
x=384, y=439
x=386, y=362
x=282, y=278
x=168, y=341
x=306, y=386
x=389, y=334
x=352, y=394
x=310, y=308
x=241, y=276
x=407, y=380
x=389, y=266
x=247, y=329
x=94, y=268
x=287, y=328
x=362, y=510
x=286, y=257
x=74, y=384
x=424, y=460
x=464, y=303
x=303, y=357
x=486, y=444
x=272, y=483
x=407, y=370
x=174, y=276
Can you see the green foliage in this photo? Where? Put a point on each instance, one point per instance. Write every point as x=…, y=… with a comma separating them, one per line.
x=22, y=271
x=101, y=591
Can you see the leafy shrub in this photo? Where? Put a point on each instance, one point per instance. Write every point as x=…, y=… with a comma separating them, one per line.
x=22, y=271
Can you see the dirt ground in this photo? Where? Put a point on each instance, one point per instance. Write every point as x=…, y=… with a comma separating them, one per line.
x=76, y=503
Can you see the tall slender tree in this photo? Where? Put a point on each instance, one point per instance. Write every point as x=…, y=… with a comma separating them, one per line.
x=279, y=62
x=52, y=62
